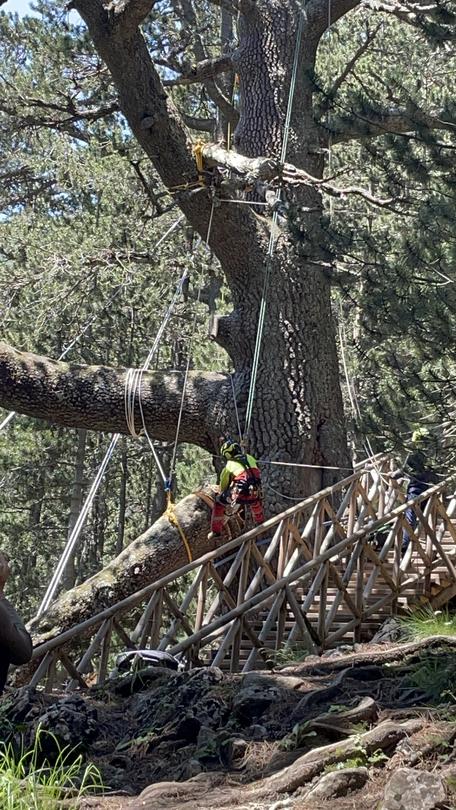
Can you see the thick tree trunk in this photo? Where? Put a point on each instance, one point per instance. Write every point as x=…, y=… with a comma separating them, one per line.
x=298, y=414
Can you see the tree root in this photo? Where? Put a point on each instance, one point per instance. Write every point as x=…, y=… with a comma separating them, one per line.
x=389, y=656
x=383, y=737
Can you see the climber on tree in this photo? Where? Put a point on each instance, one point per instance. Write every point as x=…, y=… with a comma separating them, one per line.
x=240, y=482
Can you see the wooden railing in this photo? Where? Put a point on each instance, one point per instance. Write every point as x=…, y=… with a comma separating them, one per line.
x=313, y=575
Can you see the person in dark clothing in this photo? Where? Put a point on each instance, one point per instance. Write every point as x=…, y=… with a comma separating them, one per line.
x=420, y=478
x=15, y=643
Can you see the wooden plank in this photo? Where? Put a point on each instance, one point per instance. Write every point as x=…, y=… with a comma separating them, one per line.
x=86, y=660
x=359, y=595
x=202, y=594
x=373, y=556
x=123, y=635
x=144, y=620
x=189, y=596
x=104, y=657
x=342, y=592
x=71, y=669
x=247, y=626
x=51, y=674
x=242, y=586
x=41, y=670
x=321, y=627
x=175, y=610
x=267, y=625
x=302, y=622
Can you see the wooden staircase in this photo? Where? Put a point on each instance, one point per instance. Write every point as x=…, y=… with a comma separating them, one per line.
x=310, y=578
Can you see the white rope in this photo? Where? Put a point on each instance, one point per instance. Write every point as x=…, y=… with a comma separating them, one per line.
x=73, y=538
x=189, y=357
x=94, y=318
x=134, y=378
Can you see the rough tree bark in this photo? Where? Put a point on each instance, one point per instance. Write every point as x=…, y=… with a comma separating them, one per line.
x=298, y=414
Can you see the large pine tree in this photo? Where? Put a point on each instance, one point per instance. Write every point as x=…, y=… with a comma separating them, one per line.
x=298, y=413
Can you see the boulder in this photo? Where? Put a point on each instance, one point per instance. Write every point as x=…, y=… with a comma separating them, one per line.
x=410, y=788
x=391, y=630
x=338, y=783
x=254, y=698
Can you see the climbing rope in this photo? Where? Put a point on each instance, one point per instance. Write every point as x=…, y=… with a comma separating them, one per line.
x=171, y=515
x=170, y=512
x=189, y=356
x=94, y=318
x=273, y=238
x=74, y=536
x=134, y=378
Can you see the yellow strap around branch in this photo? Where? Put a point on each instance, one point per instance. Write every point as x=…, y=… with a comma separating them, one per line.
x=174, y=520
x=198, y=153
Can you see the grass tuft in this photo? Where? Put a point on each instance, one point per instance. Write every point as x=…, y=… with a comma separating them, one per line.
x=426, y=622
x=27, y=782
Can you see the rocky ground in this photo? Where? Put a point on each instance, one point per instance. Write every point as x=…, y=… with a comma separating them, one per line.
x=376, y=729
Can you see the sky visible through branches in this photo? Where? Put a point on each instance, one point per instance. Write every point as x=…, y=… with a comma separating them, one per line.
x=22, y=7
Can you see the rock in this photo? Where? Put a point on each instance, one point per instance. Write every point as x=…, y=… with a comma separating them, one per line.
x=70, y=722
x=391, y=630
x=238, y=748
x=168, y=795
x=252, y=700
x=192, y=768
x=338, y=783
x=258, y=732
x=141, y=680
x=409, y=788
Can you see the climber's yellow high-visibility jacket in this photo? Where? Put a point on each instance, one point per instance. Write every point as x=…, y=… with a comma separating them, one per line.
x=235, y=471
x=240, y=480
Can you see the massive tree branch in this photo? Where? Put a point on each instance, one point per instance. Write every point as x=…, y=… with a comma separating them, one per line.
x=130, y=13
x=159, y=129
x=423, y=16
x=268, y=170
x=321, y=15
x=92, y=397
x=154, y=554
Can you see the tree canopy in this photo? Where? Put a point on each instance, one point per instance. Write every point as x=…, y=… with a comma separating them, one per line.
x=100, y=110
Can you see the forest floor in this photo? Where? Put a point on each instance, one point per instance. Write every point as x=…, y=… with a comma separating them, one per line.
x=327, y=732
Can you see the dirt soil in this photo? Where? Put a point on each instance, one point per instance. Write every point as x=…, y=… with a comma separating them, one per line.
x=229, y=737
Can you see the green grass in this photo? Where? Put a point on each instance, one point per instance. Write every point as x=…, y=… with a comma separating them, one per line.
x=286, y=656
x=29, y=783
x=424, y=622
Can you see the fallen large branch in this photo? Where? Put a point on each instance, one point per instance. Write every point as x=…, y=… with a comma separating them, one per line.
x=157, y=552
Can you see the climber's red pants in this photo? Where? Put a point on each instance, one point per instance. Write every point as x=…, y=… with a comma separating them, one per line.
x=228, y=498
